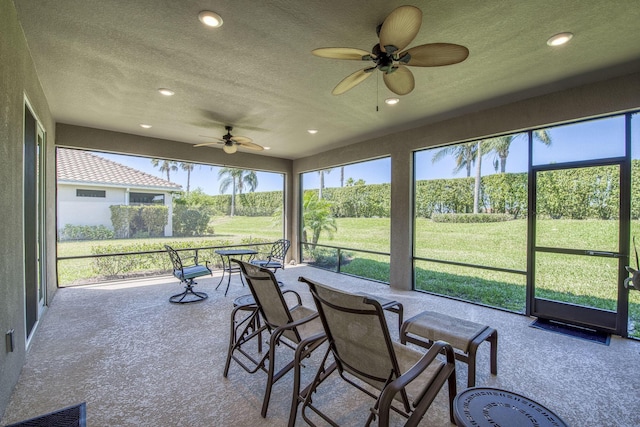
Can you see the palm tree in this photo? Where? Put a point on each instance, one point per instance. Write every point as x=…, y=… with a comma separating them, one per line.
x=237, y=179
x=189, y=168
x=316, y=218
x=500, y=145
x=465, y=155
x=476, y=187
x=322, y=172
x=165, y=166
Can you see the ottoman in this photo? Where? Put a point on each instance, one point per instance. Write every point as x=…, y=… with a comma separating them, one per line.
x=463, y=335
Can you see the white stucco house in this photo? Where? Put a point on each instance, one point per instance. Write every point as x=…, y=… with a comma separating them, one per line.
x=89, y=184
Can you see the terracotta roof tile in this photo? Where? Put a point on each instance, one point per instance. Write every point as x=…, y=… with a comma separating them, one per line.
x=83, y=166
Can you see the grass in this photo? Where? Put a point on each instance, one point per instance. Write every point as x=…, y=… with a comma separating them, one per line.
x=579, y=280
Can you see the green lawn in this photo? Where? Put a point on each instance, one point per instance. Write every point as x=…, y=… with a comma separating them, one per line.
x=574, y=279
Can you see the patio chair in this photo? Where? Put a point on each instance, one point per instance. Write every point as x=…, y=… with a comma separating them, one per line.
x=275, y=259
x=186, y=273
x=365, y=357
x=290, y=325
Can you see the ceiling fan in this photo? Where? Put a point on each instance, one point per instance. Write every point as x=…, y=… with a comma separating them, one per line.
x=395, y=34
x=230, y=143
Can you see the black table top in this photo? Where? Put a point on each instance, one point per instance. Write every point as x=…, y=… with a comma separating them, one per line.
x=231, y=252
x=484, y=406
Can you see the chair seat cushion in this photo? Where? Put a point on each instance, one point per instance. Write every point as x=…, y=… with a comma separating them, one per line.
x=267, y=264
x=437, y=326
x=407, y=357
x=192, y=272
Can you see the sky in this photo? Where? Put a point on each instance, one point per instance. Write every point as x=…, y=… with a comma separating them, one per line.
x=602, y=138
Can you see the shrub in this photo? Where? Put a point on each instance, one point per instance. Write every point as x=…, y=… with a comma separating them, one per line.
x=191, y=220
x=85, y=232
x=328, y=258
x=122, y=265
x=471, y=218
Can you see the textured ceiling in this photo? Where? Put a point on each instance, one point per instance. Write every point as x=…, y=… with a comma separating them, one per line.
x=101, y=62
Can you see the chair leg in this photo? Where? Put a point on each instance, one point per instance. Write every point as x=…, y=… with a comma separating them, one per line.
x=188, y=290
x=303, y=350
x=295, y=401
x=493, y=340
x=270, y=373
x=232, y=342
x=471, y=366
x=452, y=393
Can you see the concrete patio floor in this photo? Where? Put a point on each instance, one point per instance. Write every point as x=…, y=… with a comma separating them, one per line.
x=138, y=360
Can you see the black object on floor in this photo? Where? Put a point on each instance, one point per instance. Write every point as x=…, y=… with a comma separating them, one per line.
x=72, y=416
x=572, y=330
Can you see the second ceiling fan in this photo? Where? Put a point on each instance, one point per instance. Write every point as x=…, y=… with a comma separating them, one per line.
x=231, y=143
x=395, y=33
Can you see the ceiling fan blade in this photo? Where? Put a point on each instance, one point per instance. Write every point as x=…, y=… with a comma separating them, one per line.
x=206, y=144
x=240, y=139
x=400, y=27
x=341, y=53
x=250, y=145
x=436, y=54
x=401, y=81
x=351, y=81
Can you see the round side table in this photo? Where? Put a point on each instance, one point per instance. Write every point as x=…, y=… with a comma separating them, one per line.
x=493, y=407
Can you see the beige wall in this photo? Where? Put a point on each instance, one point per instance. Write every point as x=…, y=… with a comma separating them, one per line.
x=17, y=80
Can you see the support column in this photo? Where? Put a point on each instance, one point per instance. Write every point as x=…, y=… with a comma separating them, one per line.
x=401, y=274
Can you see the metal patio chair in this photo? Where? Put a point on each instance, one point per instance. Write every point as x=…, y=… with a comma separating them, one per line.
x=186, y=274
x=276, y=257
x=365, y=357
x=291, y=326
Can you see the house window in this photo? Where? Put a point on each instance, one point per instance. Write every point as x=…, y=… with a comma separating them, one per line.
x=146, y=199
x=90, y=193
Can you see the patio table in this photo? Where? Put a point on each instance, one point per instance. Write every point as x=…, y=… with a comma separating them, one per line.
x=226, y=255
x=486, y=406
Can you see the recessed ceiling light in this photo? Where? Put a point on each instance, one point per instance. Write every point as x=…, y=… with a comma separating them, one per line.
x=559, y=39
x=392, y=101
x=166, y=92
x=210, y=19
x=267, y=148
x=312, y=131
x=143, y=125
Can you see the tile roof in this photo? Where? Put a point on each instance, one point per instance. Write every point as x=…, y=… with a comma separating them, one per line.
x=84, y=167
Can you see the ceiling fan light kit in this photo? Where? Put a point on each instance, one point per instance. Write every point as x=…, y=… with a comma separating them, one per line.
x=395, y=33
x=230, y=148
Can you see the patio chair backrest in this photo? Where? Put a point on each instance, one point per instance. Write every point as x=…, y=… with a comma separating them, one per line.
x=268, y=296
x=358, y=334
x=175, y=258
x=279, y=250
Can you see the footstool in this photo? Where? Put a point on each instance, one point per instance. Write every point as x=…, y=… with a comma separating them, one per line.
x=464, y=336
